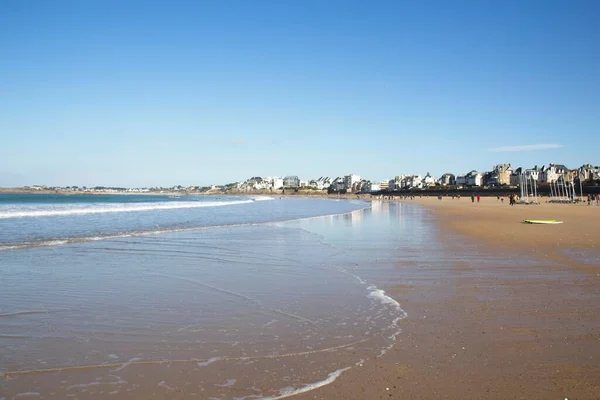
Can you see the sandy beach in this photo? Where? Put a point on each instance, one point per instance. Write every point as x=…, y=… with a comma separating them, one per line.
x=524, y=329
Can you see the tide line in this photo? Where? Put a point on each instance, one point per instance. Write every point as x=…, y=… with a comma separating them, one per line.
x=241, y=296
x=134, y=362
x=24, y=313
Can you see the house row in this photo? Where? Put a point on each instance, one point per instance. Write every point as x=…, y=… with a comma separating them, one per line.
x=500, y=175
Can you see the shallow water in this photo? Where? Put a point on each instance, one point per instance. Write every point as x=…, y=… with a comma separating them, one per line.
x=255, y=310
x=263, y=310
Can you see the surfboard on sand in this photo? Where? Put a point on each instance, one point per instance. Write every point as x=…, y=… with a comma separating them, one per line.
x=542, y=221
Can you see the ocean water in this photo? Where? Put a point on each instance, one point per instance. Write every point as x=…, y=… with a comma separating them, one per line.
x=195, y=297
x=30, y=220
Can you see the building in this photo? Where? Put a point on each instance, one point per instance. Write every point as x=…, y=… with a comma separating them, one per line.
x=474, y=178
x=370, y=187
x=413, y=182
x=587, y=172
x=321, y=183
x=291, y=182
x=447, y=179
x=384, y=185
x=276, y=183
x=350, y=181
x=428, y=180
x=338, y=185
x=553, y=172
x=501, y=173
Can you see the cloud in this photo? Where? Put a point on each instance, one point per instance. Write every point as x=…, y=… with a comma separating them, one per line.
x=237, y=141
x=528, y=147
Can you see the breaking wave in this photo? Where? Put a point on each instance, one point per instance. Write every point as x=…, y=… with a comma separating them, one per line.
x=103, y=208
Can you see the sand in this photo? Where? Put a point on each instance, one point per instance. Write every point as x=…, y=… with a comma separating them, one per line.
x=526, y=329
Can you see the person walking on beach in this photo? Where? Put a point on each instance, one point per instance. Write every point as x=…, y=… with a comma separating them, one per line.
x=472, y=199
x=478, y=198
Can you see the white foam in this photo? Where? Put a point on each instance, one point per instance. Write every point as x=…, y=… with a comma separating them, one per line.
x=262, y=198
x=228, y=383
x=209, y=361
x=380, y=295
x=288, y=392
x=102, y=208
x=359, y=279
x=27, y=312
x=126, y=364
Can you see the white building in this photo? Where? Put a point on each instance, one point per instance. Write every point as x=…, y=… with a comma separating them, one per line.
x=428, y=180
x=447, y=179
x=414, y=182
x=553, y=172
x=276, y=182
x=474, y=178
x=350, y=181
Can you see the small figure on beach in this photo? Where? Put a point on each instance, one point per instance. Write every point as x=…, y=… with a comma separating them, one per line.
x=512, y=199
x=472, y=198
x=478, y=198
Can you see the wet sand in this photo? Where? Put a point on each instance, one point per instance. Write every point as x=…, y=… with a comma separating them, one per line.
x=524, y=329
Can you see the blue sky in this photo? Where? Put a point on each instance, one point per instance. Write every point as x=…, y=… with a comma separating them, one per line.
x=130, y=93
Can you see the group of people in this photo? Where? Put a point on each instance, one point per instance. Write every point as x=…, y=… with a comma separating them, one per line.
x=593, y=199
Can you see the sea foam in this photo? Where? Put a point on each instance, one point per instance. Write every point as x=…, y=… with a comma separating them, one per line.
x=103, y=208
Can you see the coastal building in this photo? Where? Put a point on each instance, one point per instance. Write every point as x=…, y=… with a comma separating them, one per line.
x=587, y=172
x=276, y=183
x=447, y=179
x=384, y=185
x=530, y=173
x=414, y=182
x=428, y=180
x=257, y=183
x=291, y=182
x=515, y=177
x=357, y=186
x=474, y=178
x=350, y=181
x=370, y=187
x=398, y=183
x=320, y=184
x=501, y=174
x=553, y=172
x=338, y=185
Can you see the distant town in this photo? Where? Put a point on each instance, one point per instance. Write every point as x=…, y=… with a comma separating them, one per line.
x=501, y=176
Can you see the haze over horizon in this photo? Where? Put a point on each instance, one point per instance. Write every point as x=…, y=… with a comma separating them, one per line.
x=141, y=94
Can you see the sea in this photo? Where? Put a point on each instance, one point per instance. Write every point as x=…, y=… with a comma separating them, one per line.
x=208, y=297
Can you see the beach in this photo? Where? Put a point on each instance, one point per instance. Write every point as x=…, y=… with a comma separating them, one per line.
x=521, y=324
x=417, y=299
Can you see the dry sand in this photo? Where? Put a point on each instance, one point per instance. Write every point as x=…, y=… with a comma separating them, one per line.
x=519, y=330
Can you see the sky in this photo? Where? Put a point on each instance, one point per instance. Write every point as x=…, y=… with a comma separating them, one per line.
x=148, y=93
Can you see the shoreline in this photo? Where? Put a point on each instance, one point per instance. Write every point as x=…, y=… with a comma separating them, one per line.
x=525, y=329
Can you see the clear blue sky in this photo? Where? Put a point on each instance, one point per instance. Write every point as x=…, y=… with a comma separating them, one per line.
x=151, y=93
